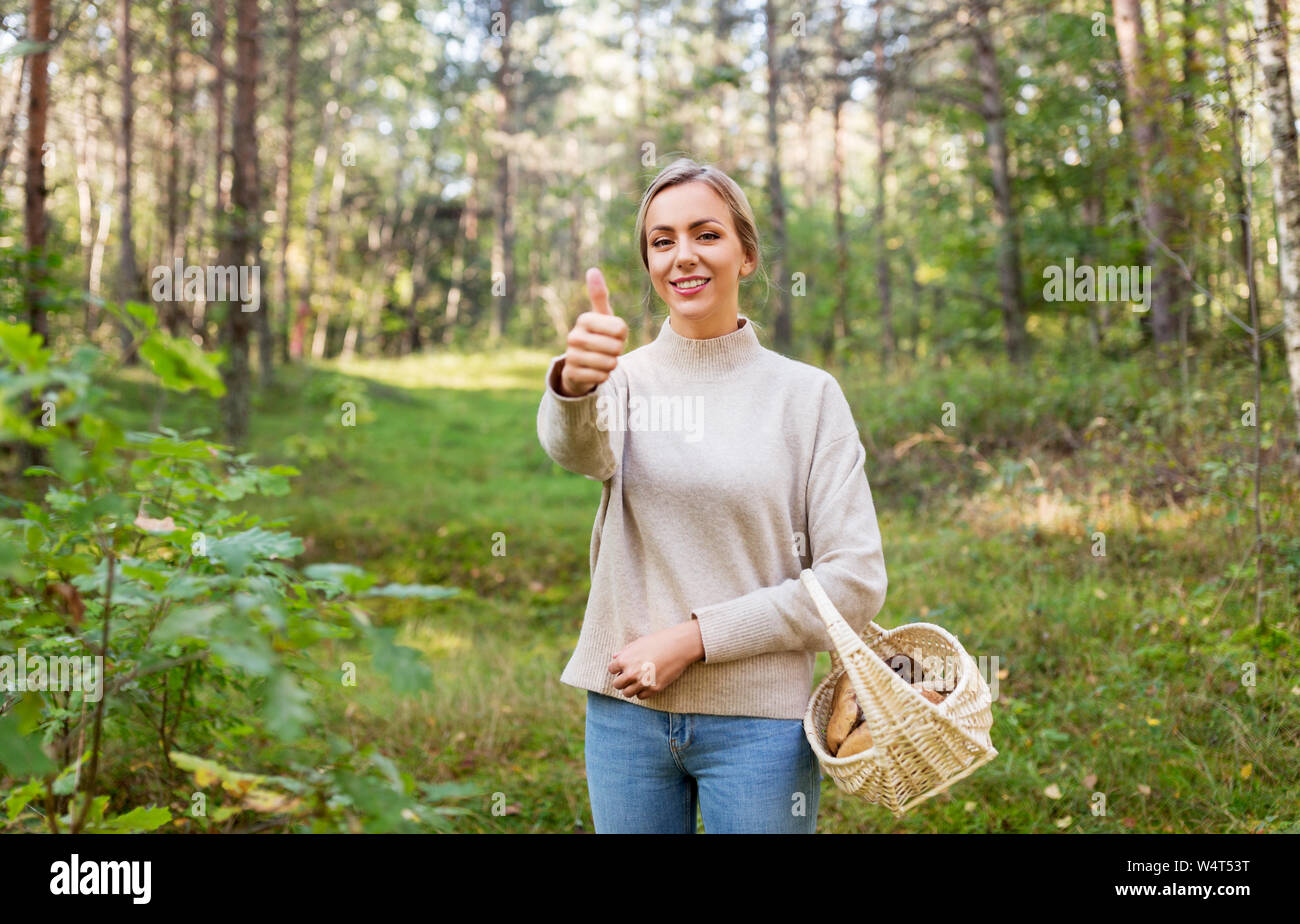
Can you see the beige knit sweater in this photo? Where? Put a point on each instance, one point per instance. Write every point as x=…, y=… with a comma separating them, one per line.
x=726, y=468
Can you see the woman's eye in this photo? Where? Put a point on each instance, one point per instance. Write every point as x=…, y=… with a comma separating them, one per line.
x=663, y=240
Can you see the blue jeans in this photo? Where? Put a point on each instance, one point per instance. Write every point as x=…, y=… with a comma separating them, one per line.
x=647, y=771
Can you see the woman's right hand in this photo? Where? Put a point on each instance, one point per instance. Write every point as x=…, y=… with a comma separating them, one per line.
x=594, y=344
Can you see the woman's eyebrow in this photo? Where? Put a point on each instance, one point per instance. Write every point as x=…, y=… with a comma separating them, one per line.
x=696, y=223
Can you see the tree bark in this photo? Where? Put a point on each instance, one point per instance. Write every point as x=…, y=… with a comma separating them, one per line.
x=303, y=314
x=284, y=189
x=503, y=250
x=38, y=97
x=1236, y=181
x=840, y=96
x=1150, y=143
x=1004, y=214
x=1270, y=24
x=884, y=287
x=175, y=24
x=776, y=194
x=127, y=272
x=242, y=243
x=11, y=123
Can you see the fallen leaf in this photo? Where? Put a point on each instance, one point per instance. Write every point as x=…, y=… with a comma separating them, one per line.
x=264, y=800
x=1128, y=822
x=1099, y=593
x=149, y=525
x=969, y=806
x=1090, y=781
x=1151, y=721
x=1052, y=792
x=1144, y=789
x=1246, y=770
x=1064, y=823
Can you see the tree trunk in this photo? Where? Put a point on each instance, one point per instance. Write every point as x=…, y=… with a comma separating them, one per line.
x=503, y=250
x=839, y=330
x=1149, y=141
x=776, y=195
x=245, y=235
x=38, y=97
x=284, y=189
x=1236, y=181
x=11, y=124
x=1004, y=214
x=86, y=139
x=467, y=233
x=174, y=26
x=304, y=311
x=883, y=282
x=1270, y=25
x=34, y=203
x=320, y=339
x=127, y=273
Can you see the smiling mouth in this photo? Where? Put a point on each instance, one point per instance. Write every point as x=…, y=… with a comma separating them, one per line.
x=690, y=286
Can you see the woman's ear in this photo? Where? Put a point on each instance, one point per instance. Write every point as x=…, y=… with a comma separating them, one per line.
x=748, y=266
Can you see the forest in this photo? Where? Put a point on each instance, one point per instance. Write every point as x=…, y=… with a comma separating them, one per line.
x=280, y=282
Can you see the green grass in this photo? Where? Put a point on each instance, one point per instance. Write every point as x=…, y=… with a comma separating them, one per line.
x=1127, y=667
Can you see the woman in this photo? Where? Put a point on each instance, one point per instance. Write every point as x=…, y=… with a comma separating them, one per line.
x=727, y=468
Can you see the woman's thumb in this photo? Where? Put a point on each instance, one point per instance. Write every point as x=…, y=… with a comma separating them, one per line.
x=597, y=291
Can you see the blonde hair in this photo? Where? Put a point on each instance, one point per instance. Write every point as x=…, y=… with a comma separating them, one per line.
x=685, y=170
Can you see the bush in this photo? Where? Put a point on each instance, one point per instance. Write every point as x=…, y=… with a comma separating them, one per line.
x=159, y=608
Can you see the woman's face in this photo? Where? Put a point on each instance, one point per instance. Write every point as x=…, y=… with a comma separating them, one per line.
x=690, y=237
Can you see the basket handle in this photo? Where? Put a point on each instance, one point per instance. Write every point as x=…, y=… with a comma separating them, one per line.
x=846, y=641
x=842, y=634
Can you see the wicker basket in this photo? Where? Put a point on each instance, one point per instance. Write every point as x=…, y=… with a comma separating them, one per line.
x=918, y=748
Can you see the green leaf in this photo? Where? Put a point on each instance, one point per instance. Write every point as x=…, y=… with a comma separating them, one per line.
x=422, y=591
x=236, y=551
x=139, y=819
x=348, y=578
x=181, y=365
x=20, y=750
x=188, y=622
x=404, y=667
x=11, y=565
x=20, y=796
x=286, y=707
x=158, y=445
x=143, y=312
x=39, y=470
x=23, y=49
x=254, y=657
x=22, y=347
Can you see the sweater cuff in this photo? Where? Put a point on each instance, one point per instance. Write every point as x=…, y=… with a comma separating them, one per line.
x=738, y=628
x=553, y=385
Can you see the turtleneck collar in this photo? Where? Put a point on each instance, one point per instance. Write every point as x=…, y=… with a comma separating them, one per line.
x=709, y=359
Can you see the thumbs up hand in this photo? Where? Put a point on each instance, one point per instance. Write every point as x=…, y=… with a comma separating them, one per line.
x=594, y=344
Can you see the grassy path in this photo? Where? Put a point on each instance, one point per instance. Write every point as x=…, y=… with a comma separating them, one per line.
x=1122, y=701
